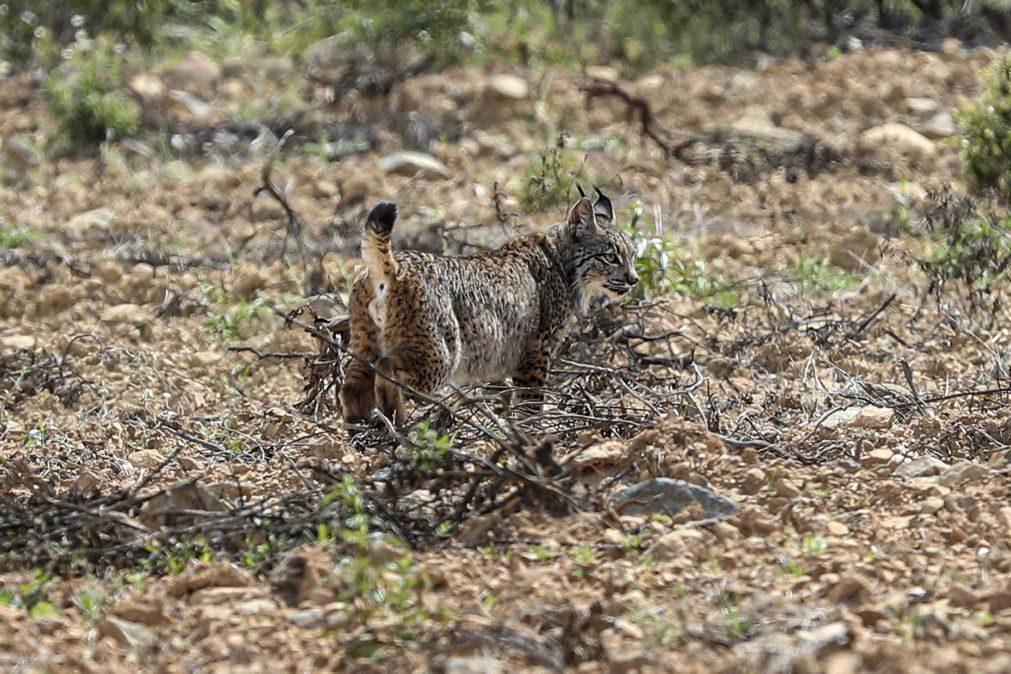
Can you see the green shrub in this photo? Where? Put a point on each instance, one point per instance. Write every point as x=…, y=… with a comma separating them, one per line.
x=664, y=267
x=87, y=97
x=986, y=139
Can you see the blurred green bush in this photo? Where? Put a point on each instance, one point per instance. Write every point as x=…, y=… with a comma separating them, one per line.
x=986, y=133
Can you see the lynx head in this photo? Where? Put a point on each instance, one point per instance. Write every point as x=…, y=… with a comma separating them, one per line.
x=597, y=256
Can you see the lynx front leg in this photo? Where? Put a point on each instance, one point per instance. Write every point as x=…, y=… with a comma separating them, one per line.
x=531, y=377
x=357, y=396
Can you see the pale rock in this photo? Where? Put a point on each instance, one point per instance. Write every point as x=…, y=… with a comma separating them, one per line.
x=786, y=489
x=922, y=466
x=147, y=87
x=248, y=283
x=837, y=528
x=754, y=481
x=146, y=458
x=840, y=418
x=125, y=313
x=602, y=454
x=88, y=481
x=922, y=106
x=605, y=73
x=962, y=472
x=508, y=87
x=17, y=342
x=195, y=72
x=470, y=664
x=843, y=662
x=255, y=607
x=848, y=587
x=85, y=222
x=614, y=537
x=757, y=122
x=872, y=417
x=308, y=618
x=412, y=163
x=877, y=457
x=20, y=155
x=899, y=136
x=1005, y=518
x=940, y=125
x=193, y=105
x=127, y=633
x=931, y=505
x=142, y=610
x=203, y=359
x=668, y=547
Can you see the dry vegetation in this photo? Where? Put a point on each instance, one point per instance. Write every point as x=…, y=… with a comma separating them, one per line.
x=177, y=492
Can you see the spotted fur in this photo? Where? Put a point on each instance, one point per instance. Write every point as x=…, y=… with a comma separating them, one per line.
x=427, y=320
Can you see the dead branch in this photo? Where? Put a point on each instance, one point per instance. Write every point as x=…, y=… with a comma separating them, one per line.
x=640, y=108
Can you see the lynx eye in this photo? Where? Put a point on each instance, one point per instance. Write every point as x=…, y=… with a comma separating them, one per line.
x=612, y=259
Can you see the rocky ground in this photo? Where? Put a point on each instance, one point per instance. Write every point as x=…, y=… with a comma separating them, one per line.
x=169, y=505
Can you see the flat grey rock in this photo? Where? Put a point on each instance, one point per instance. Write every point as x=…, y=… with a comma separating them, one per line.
x=665, y=496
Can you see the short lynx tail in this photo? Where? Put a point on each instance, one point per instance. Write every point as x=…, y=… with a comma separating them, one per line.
x=377, y=251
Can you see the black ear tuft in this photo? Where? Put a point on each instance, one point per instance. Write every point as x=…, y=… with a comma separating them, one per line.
x=602, y=207
x=579, y=188
x=580, y=216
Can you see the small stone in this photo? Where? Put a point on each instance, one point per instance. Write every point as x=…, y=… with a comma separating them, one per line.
x=255, y=607
x=962, y=596
x=725, y=531
x=921, y=466
x=1005, y=518
x=877, y=457
x=847, y=588
x=147, y=87
x=204, y=358
x=127, y=633
x=125, y=313
x=146, y=458
x=142, y=610
x=247, y=284
x=308, y=618
x=899, y=136
x=754, y=480
x=895, y=522
x=837, y=528
x=509, y=87
x=20, y=154
x=941, y=125
x=412, y=163
x=786, y=489
x=195, y=72
x=962, y=472
x=97, y=218
x=17, y=343
x=873, y=417
x=931, y=505
x=843, y=662
x=922, y=106
x=193, y=105
x=605, y=73
x=613, y=537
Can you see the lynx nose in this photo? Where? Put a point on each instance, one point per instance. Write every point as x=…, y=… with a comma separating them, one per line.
x=631, y=277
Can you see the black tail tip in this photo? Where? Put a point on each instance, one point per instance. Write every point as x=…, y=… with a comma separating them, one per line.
x=382, y=216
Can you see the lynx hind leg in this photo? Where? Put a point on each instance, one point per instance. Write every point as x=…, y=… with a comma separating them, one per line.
x=389, y=394
x=358, y=394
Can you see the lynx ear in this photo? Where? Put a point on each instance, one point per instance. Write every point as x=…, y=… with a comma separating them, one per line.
x=579, y=188
x=602, y=207
x=581, y=219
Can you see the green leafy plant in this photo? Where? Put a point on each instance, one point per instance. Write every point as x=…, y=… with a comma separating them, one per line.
x=664, y=267
x=32, y=596
x=87, y=98
x=817, y=275
x=16, y=236
x=428, y=447
x=985, y=146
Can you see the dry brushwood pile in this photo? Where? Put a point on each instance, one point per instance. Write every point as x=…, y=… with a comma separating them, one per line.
x=789, y=452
